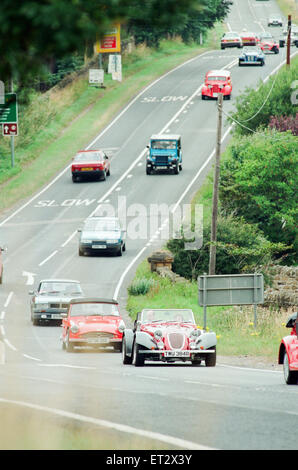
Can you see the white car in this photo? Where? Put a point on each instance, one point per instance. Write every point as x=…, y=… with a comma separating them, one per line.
x=275, y=21
x=294, y=37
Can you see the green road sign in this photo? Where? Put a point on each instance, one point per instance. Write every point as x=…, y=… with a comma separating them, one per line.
x=9, y=110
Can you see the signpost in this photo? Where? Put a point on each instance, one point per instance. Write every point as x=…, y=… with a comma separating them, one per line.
x=234, y=289
x=96, y=77
x=9, y=119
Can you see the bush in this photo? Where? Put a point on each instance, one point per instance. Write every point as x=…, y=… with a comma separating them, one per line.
x=241, y=247
x=141, y=286
x=259, y=182
x=285, y=123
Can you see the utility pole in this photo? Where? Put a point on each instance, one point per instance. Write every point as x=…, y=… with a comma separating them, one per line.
x=289, y=41
x=212, y=253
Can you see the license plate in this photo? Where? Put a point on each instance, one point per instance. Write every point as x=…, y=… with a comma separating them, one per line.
x=163, y=167
x=100, y=247
x=86, y=169
x=215, y=95
x=99, y=340
x=177, y=353
x=56, y=316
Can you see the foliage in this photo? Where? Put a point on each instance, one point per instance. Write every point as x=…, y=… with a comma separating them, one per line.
x=254, y=108
x=285, y=123
x=140, y=286
x=187, y=23
x=240, y=247
x=36, y=32
x=259, y=182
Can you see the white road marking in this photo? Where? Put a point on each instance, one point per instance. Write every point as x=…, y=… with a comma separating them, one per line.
x=8, y=299
x=11, y=346
x=68, y=365
x=69, y=239
x=31, y=357
x=30, y=278
x=171, y=440
x=2, y=315
x=48, y=258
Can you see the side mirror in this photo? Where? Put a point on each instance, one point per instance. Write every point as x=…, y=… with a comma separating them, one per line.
x=148, y=146
x=79, y=230
x=31, y=292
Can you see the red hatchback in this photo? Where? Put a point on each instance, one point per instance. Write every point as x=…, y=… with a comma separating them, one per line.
x=249, y=39
x=92, y=322
x=90, y=163
x=217, y=81
x=288, y=351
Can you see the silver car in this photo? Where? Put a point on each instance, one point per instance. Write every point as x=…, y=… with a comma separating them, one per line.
x=101, y=235
x=51, y=299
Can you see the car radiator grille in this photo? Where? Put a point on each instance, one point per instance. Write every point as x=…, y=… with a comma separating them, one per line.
x=161, y=159
x=56, y=305
x=97, y=334
x=176, y=340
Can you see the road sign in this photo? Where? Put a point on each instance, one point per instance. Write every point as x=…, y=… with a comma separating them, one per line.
x=96, y=76
x=114, y=63
x=10, y=128
x=110, y=41
x=9, y=109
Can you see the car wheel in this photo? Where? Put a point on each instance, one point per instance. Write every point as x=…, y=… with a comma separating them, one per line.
x=124, y=247
x=109, y=172
x=291, y=376
x=180, y=167
x=104, y=176
x=125, y=359
x=137, y=358
x=210, y=360
x=117, y=347
x=176, y=169
x=75, y=178
x=1, y=277
x=120, y=251
x=81, y=252
x=63, y=345
x=148, y=171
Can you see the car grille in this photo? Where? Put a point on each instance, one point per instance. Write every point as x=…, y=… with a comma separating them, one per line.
x=176, y=340
x=56, y=305
x=99, y=242
x=97, y=334
x=161, y=159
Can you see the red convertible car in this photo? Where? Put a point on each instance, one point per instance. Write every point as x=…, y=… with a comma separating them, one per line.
x=1, y=265
x=168, y=335
x=217, y=81
x=268, y=44
x=288, y=351
x=90, y=163
x=92, y=322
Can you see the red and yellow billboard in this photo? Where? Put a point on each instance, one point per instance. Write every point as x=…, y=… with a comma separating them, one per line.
x=110, y=42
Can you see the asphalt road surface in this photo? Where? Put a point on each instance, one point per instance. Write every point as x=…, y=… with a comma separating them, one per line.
x=225, y=407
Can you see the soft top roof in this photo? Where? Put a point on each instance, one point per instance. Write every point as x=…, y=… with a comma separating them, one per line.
x=165, y=137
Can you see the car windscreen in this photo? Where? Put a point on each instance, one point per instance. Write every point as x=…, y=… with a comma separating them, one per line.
x=94, y=309
x=164, y=144
x=150, y=316
x=89, y=156
x=61, y=288
x=102, y=225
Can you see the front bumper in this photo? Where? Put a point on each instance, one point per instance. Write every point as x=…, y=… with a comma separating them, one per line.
x=95, y=341
x=50, y=314
x=165, y=166
x=176, y=355
x=98, y=247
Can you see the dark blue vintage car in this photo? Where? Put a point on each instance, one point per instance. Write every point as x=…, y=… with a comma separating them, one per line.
x=164, y=153
x=252, y=56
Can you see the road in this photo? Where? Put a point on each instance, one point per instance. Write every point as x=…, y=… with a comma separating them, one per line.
x=221, y=408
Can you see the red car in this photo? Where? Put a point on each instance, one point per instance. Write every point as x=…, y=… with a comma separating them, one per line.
x=90, y=163
x=268, y=44
x=168, y=335
x=249, y=39
x=217, y=81
x=92, y=322
x=288, y=351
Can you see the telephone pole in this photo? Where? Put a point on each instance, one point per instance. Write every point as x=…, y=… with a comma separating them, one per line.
x=289, y=41
x=212, y=253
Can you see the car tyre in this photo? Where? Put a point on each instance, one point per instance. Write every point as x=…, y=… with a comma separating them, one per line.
x=176, y=169
x=109, y=172
x=210, y=360
x=196, y=362
x=1, y=277
x=137, y=358
x=69, y=346
x=148, y=171
x=120, y=251
x=291, y=376
x=125, y=358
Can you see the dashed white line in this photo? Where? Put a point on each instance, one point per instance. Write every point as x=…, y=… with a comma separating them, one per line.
x=8, y=299
x=48, y=258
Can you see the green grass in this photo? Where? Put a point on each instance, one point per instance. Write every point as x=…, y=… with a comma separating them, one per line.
x=62, y=121
x=234, y=326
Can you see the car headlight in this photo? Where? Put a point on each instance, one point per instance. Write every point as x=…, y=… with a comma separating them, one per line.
x=86, y=240
x=74, y=329
x=121, y=326
x=113, y=241
x=193, y=345
x=158, y=334
x=41, y=306
x=195, y=333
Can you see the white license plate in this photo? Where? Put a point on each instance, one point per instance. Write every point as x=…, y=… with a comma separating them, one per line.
x=163, y=167
x=99, y=247
x=99, y=340
x=177, y=353
x=215, y=95
x=56, y=316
